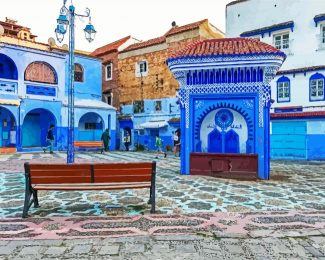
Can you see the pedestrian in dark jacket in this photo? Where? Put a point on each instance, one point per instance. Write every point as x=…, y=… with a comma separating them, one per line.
x=49, y=139
x=105, y=138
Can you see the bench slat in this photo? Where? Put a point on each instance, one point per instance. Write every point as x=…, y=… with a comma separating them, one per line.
x=60, y=179
x=126, y=178
x=127, y=165
x=61, y=173
x=122, y=172
x=64, y=167
x=87, y=186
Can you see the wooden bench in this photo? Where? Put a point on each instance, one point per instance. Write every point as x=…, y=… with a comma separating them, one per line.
x=72, y=177
x=89, y=145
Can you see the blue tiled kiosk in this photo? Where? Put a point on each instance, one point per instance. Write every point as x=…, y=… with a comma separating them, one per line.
x=225, y=100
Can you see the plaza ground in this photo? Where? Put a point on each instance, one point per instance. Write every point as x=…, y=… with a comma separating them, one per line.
x=197, y=217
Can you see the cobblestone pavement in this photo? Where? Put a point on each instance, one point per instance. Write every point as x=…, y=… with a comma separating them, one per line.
x=293, y=186
x=208, y=218
x=175, y=247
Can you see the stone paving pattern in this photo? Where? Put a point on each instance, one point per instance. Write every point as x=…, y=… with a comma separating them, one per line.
x=208, y=218
x=293, y=186
x=194, y=247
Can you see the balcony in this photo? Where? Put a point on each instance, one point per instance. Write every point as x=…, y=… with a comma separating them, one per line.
x=8, y=87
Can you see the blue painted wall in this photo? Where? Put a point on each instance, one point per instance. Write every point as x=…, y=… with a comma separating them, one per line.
x=288, y=140
x=36, y=97
x=146, y=136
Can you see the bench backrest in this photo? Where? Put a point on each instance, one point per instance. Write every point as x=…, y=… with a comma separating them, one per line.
x=123, y=172
x=90, y=173
x=58, y=173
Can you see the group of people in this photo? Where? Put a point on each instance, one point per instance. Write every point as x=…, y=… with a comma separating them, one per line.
x=127, y=140
x=176, y=145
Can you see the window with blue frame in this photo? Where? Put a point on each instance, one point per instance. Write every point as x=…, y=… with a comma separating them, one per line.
x=316, y=85
x=283, y=89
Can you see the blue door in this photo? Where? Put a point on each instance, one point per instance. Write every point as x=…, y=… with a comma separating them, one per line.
x=31, y=131
x=215, y=142
x=288, y=140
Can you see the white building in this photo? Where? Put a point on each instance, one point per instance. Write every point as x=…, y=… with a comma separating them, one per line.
x=297, y=27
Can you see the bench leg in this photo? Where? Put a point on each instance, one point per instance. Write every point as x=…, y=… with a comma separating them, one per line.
x=153, y=199
x=35, y=199
x=28, y=195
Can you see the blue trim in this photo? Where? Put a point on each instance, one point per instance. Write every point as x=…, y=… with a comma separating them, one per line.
x=283, y=79
x=201, y=57
x=41, y=91
x=286, y=110
x=269, y=30
x=316, y=76
x=319, y=18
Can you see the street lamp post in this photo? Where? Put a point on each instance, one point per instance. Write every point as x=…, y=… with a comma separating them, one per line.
x=67, y=18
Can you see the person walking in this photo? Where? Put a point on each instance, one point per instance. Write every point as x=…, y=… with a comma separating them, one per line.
x=49, y=139
x=176, y=142
x=159, y=145
x=105, y=138
x=127, y=141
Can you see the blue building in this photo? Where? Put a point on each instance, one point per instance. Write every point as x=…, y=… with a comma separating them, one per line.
x=298, y=111
x=155, y=116
x=225, y=97
x=34, y=93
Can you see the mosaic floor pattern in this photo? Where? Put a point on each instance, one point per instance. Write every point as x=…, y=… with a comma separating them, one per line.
x=293, y=186
x=219, y=224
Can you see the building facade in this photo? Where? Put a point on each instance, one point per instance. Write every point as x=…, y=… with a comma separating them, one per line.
x=225, y=104
x=148, y=103
x=297, y=28
x=34, y=93
x=110, y=72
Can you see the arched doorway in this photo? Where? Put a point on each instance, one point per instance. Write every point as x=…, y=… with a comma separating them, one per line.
x=7, y=128
x=35, y=126
x=90, y=127
x=8, y=69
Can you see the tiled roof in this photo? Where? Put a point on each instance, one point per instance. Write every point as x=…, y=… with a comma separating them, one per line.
x=236, y=2
x=298, y=114
x=184, y=28
x=145, y=44
x=162, y=39
x=111, y=46
x=301, y=70
x=226, y=46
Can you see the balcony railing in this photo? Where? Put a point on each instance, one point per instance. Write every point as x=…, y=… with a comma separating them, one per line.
x=8, y=87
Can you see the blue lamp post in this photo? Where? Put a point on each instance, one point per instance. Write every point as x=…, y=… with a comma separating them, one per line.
x=66, y=18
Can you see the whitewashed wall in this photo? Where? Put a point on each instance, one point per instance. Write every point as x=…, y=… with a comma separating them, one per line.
x=305, y=49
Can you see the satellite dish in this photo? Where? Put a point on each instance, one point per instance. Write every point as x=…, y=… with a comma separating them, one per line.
x=65, y=46
x=2, y=30
x=51, y=42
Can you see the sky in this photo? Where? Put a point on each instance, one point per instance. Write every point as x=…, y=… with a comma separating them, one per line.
x=114, y=19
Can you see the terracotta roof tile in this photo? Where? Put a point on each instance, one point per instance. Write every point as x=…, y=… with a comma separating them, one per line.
x=184, y=28
x=145, y=44
x=111, y=46
x=298, y=114
x=226, y=46
x=301, y=70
